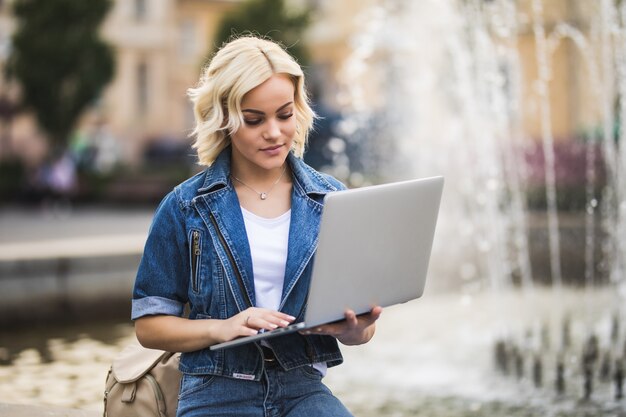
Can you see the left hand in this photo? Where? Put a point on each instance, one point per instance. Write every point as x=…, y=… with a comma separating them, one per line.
x=354, y=330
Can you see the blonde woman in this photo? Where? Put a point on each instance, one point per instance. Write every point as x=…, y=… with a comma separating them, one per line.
x=235, y=243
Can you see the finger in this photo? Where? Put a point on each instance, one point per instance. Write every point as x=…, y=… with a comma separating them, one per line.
x=376, y=313
x=370, y=317
x=257, y=323
x=263, y=311
x=351, y=319
x=278, y=320
x=373, y=315
x=266, y=321
x=247, y=328
x=247, y=331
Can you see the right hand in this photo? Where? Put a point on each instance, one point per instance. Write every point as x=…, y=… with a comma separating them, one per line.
x=250, y=321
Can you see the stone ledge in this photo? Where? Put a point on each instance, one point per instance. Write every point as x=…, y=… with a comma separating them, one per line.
x=17, y=410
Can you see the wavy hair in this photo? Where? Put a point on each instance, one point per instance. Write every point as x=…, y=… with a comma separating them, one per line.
x=236, y=68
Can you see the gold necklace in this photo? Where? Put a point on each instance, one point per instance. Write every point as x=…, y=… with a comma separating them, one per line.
x=263, y=195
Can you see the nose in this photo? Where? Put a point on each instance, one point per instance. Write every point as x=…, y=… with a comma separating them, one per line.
x=272, y=130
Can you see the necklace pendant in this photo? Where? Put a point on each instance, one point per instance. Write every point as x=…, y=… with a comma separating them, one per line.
x=263, y=196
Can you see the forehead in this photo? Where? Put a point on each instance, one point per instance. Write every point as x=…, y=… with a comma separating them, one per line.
x=275, y=91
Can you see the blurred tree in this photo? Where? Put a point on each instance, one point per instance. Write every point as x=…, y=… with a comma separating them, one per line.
x=60, y=61
x=270, y=19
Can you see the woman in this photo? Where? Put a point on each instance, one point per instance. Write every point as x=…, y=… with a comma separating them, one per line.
x=235, y=243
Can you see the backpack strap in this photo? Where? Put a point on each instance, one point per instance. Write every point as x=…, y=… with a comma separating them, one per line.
x=135, y=361
x=128, y=396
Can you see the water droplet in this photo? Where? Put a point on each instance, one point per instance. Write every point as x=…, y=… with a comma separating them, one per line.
x=492, y=184
x=336, y=145
x=357, y=179
x=466, y=300
x=484, y=245
x=468, y=271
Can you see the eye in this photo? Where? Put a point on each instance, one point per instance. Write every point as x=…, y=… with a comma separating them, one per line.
x=285, y=116
x=252, y=122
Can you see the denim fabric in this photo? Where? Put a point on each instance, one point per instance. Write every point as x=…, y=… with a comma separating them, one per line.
x=296, y=393
x=197, y=245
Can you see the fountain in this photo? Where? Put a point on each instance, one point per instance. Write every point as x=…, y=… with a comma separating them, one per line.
x=441, y=87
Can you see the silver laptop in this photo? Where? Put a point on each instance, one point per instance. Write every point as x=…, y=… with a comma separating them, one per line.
x=374, y=247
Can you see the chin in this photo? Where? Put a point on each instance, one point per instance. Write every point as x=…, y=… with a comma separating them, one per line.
x=273, y=160
x=273, y=163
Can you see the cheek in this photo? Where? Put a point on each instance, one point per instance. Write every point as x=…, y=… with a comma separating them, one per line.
x=290, y=128
x=242, y=136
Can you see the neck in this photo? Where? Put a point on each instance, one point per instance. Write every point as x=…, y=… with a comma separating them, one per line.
x=254, y=175
x=263, y=194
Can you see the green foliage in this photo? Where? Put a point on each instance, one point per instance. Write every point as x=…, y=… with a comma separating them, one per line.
x=60, y=61
x=269, y=19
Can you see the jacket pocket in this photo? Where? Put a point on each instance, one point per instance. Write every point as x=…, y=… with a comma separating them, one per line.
x=195, y=258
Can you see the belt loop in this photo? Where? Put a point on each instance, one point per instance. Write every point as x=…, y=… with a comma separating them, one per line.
x=268, y=355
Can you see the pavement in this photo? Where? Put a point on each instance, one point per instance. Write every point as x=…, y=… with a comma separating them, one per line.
x=68, y=262
x=27, y=232
x=14, y=410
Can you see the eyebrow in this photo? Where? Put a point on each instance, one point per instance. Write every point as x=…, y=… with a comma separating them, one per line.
x=262, y=113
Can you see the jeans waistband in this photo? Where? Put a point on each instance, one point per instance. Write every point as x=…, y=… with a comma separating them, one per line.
x=268, y=356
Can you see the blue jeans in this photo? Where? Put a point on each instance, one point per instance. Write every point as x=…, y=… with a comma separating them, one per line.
x=296, y=393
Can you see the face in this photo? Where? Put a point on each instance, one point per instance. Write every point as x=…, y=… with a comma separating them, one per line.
x=264, y=139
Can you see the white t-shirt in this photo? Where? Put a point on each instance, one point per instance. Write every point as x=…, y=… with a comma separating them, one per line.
x=268, y=239
x=269, y=245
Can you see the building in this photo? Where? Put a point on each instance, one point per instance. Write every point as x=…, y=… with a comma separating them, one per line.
x=160, y=46
x=573, y=50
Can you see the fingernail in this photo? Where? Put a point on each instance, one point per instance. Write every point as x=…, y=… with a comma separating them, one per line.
x=284, y=323
x=273, y=326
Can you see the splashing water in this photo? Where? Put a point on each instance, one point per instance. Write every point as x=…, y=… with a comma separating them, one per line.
x=438, y=87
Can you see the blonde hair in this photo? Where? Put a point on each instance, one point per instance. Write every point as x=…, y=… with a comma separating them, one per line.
x=238, y=67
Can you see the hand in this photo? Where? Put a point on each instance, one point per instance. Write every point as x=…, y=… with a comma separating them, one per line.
x=250, y=321
x=354, y=330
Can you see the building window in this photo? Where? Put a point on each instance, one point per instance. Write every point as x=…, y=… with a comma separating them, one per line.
x=189, y=117
x=142, y=88
x=141, y=10
x=187, y=45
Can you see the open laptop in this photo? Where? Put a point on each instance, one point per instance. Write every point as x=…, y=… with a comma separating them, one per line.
x=374, y=247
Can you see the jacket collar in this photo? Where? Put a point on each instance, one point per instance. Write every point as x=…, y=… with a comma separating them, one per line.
x=217, y=174
x=219, y=198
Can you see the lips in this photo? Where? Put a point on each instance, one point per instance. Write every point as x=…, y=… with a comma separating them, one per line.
x=271, y=148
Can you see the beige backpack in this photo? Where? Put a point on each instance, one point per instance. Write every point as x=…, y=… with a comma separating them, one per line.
x=142, y=383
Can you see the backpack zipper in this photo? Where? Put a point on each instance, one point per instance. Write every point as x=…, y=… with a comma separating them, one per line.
x=158, y=394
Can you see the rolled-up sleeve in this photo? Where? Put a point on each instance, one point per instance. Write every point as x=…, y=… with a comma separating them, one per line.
x=162, y=277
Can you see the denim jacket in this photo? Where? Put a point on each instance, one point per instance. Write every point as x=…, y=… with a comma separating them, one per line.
x=197, y=253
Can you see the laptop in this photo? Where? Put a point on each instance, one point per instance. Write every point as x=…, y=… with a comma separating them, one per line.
x=374, y=247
